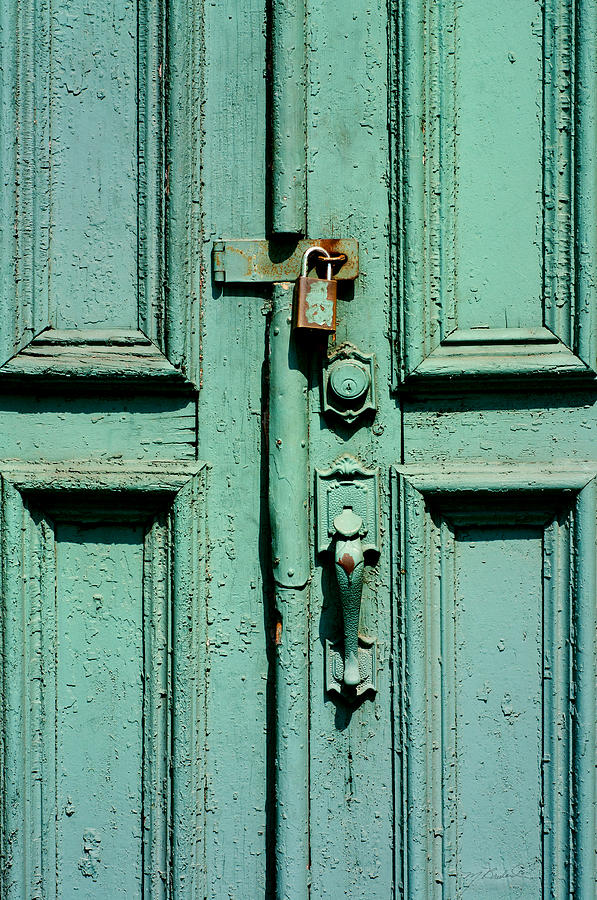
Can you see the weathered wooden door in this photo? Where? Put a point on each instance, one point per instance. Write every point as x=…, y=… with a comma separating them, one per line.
x=174, y=718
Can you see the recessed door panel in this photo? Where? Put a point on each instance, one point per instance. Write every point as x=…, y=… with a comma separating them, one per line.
x=494, y=142
x=99, y=691
x=91, y=285
x=493, y=599
x=100, y=673
x=492, y=802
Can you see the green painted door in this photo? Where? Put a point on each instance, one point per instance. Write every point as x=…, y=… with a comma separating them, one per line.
x=170, y=726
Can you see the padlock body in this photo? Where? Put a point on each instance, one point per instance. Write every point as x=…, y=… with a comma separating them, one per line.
x=315, y=304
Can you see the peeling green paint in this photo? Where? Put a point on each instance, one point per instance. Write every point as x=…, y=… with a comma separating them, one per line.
x=166, y=730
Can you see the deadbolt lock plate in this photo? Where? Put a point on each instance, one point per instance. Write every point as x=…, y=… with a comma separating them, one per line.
x=348, y=383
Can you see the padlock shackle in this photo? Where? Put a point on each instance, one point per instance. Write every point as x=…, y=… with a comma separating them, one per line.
x=322, y=252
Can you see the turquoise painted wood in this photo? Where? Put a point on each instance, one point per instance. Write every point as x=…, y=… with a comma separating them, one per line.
x=165, y=727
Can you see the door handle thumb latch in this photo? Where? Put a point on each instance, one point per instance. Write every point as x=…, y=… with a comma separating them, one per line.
x=347, y=524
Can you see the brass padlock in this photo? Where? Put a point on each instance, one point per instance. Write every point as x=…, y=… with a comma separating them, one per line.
x=315, y=298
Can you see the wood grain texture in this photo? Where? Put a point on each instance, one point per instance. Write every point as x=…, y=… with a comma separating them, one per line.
x=444, y=520
x=232, y=427
x=93, y=355
x=351, y=806
x=487, y=225
x=93, y=237
x=133, y=136
x=288, y=116
x=89, y=426
x=66, y=582
x=534, y=427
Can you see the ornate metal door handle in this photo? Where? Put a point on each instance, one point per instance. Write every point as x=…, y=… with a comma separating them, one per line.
x=347, y=523
x=350, y=565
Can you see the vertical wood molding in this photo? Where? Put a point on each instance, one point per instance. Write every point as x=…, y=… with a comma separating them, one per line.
x=558, y=703
x=28, y=837
x=585, y=180
x=428, y=340
x=584, y=565
x=184, y=105
x=172, y=835
x=25, y=166
x=559, y=107
x=151, y=162
x=188, y=549
x=427, y=507
x=157, y=709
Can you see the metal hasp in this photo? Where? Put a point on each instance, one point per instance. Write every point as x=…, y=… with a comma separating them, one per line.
x=347, y=526
x=348, y=383
x=278, y=259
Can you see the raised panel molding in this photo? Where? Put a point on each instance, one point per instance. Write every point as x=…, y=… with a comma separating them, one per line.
x=436, y=335
x=87, y=289
x=431, y=505
x=167, y=501
x=108, y=355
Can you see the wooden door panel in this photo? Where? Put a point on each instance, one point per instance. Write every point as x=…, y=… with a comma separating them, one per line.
x=142, y=134
x=87, y=287
x=102, y=723
x=487, y=426
x=496, y=223
x=99, y=692
x=55, y=427
x=497, y=686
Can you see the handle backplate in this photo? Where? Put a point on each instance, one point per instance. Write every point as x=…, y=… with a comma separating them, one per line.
x=347, y=523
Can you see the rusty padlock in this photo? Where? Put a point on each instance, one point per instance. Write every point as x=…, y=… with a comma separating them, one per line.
x=315, y=298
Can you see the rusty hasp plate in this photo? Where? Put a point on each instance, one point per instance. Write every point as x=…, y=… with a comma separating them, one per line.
x=278, y=259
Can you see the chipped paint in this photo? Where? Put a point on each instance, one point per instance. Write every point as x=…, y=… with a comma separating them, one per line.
x=162, y=680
